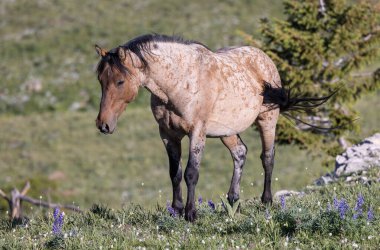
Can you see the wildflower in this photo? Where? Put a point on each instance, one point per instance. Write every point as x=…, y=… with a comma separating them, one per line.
x=211, y=205
x=342, y=208
x=359, y=202
x=170, y=209
x=267, y=214
x=358, y=207
x=200, y=200
x=336, y=203
x=56, y=213
x=282, y=200
x=370, y=215
x=58, y=221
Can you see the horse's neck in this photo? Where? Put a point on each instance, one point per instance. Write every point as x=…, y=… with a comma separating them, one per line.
x=171, y=67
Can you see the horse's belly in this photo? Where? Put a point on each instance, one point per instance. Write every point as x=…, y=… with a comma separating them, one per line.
x=231, y=116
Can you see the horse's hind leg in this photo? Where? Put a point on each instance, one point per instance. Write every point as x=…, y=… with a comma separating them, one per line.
x=173, y=148
x=238, y=152
x=266, y=123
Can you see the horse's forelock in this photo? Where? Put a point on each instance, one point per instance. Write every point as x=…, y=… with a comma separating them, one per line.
x=110, y=62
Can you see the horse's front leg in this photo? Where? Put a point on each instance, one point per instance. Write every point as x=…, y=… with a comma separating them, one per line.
x=197, y=143
x=173, y=148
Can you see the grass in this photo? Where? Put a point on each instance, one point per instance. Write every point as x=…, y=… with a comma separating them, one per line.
x=54, y=46
x=67, y=159
x=302, y=222
x=83, y=166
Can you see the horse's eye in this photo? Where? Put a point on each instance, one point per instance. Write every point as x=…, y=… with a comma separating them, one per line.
x=120, y=82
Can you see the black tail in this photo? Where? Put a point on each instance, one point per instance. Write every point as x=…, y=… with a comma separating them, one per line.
x=282, y=98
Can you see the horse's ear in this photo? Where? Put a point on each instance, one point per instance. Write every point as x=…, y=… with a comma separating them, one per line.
x=101, y=52
x=121, y=53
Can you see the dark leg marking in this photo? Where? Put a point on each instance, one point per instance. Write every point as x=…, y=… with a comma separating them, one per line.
x=238, y=152
x=197, y=143
x=173, y=149
x=267, y=159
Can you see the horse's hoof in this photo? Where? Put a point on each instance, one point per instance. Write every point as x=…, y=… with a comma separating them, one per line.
x=266, y=199
x=191, y=215
x=178, y=210
x=232, y=199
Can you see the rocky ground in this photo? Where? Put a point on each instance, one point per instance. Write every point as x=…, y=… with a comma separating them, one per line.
x=351, y=166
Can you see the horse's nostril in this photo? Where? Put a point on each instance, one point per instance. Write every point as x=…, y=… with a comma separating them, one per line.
x=104, y=128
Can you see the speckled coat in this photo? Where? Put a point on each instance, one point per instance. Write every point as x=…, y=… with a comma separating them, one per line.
x=197, y=93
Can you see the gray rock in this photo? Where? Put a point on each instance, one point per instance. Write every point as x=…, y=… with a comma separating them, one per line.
x=286, y=193
x=340, y=160
x=375, y=139
x=324, y=180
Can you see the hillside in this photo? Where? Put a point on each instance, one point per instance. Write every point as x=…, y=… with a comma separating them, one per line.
x=337, y=216
x=48, y=57
x=49, y=97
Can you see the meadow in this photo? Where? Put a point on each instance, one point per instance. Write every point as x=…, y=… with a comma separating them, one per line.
x=48, y=104
x=337, y=216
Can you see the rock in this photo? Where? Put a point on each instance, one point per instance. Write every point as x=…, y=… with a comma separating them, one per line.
x=32, y=85
x=359, y=157
x=326, y=179
x=352, y=166
x=356, y=160
x=375, y=139
x=286, y=193
x=340, y=159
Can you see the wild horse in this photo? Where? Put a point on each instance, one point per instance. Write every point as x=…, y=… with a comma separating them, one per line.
x=198, y=93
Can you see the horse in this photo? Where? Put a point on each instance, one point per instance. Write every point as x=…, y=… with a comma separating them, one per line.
x=199, y=93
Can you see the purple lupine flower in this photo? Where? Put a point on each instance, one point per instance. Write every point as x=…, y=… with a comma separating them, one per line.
x=336, y=203
x=358, y=207
x=56, y=212
x=342, y=208
x=211, y=205
x=267, y=214
x=283, y=203
x=58, y=222
x=200, y=200
x=370, y=215
x=359, y=202
x=170, y=209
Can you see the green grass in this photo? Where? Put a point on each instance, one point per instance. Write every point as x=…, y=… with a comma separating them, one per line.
x=54, y=46
x=304, y=222
x=95, y=168
x=67, y=159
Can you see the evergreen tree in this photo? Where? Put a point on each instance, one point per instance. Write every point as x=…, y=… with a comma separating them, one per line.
x=323, y=46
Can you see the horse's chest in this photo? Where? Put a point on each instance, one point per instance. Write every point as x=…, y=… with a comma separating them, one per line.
x=169, y=120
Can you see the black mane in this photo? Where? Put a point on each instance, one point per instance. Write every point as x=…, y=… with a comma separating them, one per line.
x=138, y=45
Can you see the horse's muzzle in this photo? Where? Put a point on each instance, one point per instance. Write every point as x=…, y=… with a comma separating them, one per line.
x=104, y=128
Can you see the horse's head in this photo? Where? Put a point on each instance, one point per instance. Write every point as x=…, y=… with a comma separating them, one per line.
x=119, y=80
